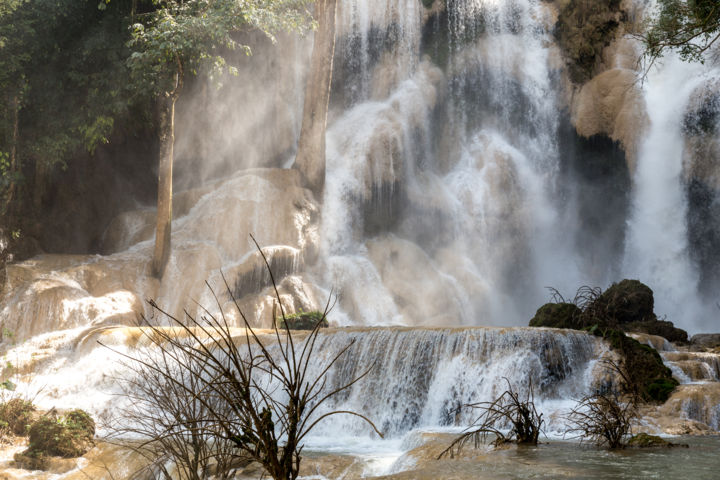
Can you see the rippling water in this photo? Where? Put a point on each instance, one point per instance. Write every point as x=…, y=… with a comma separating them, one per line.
x=552, y=460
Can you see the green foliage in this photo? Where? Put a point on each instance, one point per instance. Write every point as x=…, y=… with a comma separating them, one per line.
x=8, y=385
x=303, y=320
x=191, y=36
x=583, y=29
x=17, y=415
x=66, y=436
x=557, y=315
x=63, y=79
x=644, y=375
x=689, y=27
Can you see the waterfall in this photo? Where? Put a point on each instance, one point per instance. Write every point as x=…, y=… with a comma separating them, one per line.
x=416, y=378
x=657, y=249
x=452, y=199
x=439, y=199
x=419, y=377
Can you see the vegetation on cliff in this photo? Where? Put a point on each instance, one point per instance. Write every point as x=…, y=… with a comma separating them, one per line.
x=77, y=75
x=689, y=27
x=583, y=30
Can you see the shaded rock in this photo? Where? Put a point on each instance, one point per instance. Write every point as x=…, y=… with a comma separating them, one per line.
x=705, y=340
x=583, y=30
x=625, y=302
x=661, y=328
x=557, y=315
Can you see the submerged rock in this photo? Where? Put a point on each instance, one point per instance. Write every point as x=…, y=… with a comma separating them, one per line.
x=644, y=440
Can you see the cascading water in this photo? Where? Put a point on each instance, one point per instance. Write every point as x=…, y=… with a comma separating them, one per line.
x=657, y=248
x=452, y=176
x=447, y=203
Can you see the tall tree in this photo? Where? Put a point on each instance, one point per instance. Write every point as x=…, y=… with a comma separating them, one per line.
x=182, y=37
x=310, y=159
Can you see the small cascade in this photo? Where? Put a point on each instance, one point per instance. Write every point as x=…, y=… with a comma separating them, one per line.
x=417, y=378
x=697, y=398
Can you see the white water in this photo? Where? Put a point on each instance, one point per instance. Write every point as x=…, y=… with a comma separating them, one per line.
x=442, y=207
x=657, y=249
x=417, y=377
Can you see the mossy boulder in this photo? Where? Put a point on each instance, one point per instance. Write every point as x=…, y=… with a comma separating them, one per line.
x=303, y=321
x=625, y=302
x=16, y=415
x=66, y=436
x=557, y=315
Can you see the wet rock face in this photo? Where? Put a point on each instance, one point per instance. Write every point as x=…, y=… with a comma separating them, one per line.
x=583, y=30
x=701, y=169
x=595, y=175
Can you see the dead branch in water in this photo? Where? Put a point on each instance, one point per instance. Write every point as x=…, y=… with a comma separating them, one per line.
x=602, y=418
x=507, y=408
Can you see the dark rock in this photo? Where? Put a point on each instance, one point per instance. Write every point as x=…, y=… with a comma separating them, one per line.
x=583, y=30
x=625, y=302
x=557, y=315
x=661, y=328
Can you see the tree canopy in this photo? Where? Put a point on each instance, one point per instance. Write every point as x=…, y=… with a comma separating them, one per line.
x=690, y=27
x=193, y=36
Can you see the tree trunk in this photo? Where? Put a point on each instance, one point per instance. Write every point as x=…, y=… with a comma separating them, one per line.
x=165, y=168
x=310, y=159
x=15, y=105
x=5, y=208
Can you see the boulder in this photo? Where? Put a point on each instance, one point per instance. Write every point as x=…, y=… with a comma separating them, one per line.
x=625, y=302
x=705, y=341
x=660, y=328
x=644, y=440
x=557, y=315
x=67, y=436
x=303, y=321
